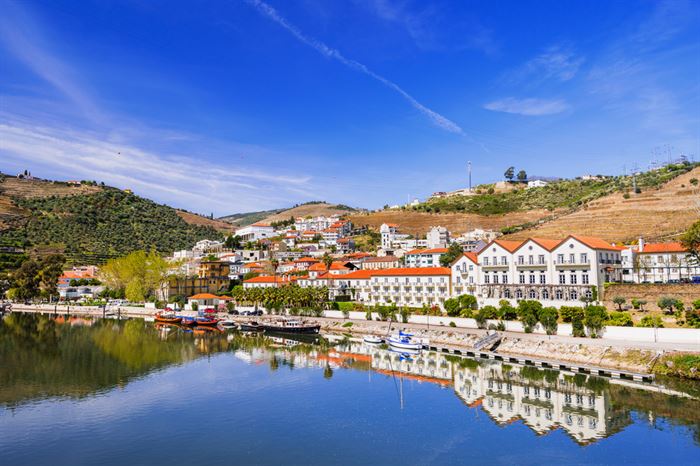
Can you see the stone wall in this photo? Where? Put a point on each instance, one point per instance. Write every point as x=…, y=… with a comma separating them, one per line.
x=687, y=292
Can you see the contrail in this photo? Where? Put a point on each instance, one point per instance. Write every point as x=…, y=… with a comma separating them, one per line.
x=329, y=52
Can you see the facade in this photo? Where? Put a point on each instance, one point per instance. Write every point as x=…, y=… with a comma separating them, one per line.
x=658, y=263
x=536, y=184
x=377, y=263
x=255, y=232
x=413, y=287
x=438, y=237
x=388, y=232
x=465, y=274
x=424, y=257
x=555, y=272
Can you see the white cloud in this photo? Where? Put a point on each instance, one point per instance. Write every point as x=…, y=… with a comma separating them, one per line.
x=558, y=62
x=334, y=54
x=181, y=180
x=529, y=107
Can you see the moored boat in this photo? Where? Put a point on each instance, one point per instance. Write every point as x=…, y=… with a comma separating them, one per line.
x=189, y=321
x=291, y=326
x=206, y=321
x=403, y=340
x=228, y=324
x=251, y=326
x=372, y=339
x=167, y=318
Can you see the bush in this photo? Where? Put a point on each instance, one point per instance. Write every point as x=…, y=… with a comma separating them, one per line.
x=501, y=326
x=528, y=310
x=668, y=303
x=619, y=319
x=639, y=304
x=461, y=306
x=571, y=313
x=651, y=321
x=692, y=318
x=506, y=311
x=452, y=324
x=594, y=320
x=577, y=328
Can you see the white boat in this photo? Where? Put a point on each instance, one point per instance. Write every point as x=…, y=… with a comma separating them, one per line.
x=228, y=324
x=373, y=339
x=405, y=341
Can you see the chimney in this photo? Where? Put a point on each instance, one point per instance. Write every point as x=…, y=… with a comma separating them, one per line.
x=640, y=245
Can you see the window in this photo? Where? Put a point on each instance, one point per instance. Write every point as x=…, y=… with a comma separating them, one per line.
x=495, y=279
x=562, y=279
x=530, y=260
x=486, y=260
x=521, y=260
x=486, y=278
x=505, y=278
x=495, y=260
x=504, y=260
x=532, y=278
x=573, y=278
x=584, y=278
x=558, y=294
x=545, y=294
x=573, y=295
x=506, y=294
x=519, y=294
x=521, y=278
x=533, y=294
x=572, y=258
x=543, y=279
x=560, y=258
x=540, y=259
x=584, y=258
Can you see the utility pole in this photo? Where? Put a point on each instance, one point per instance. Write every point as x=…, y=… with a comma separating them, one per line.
x=469, y=169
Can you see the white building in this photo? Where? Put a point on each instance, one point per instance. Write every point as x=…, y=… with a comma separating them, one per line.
x=206, y=246
x=537, y=184
x=658, y=263
x=424, y=257
x=388, y=232
x=256, y=232
x=438, y=237
x=558, y=273
x=413, y=287
x=465, y=274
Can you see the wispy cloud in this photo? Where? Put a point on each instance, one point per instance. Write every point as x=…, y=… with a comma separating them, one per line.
x=558, y=62
x=180, y=179
x=528, y=107
x=334, y=54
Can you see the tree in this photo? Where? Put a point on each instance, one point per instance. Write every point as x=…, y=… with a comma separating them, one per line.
x=691, y=240
x=619, y=301
x=522, y=176
x=233, y=242
x=528, y=311
x=510, y=173
x=506, y=311
x=37, y=278
x=453, y=253
x=485, y=313
x=667, y=303
x=461, y=306
x=594, y=320
x=327, y=261
x=548, y=318
x=139, y=274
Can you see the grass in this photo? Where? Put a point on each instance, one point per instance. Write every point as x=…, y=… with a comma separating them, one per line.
x=683, y=365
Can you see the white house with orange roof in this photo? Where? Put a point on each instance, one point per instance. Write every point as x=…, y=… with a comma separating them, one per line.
x=424, y=257
x=256, y=232
x=556, y=272
x=659, y=263
x=269, y=281
x=410, y=286
x=465, y=274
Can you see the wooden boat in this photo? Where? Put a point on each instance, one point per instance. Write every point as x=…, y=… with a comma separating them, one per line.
x=189, y=321
x=251, y=326
x=167, y=318
x=206, y=321
x=291, y=326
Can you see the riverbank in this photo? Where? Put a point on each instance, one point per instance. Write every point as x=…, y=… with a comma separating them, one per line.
x=672, y=359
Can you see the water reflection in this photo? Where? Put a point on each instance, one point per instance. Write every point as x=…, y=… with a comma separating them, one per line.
x=68, y=357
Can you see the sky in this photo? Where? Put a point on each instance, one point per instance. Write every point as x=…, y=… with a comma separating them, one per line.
x=234, y=106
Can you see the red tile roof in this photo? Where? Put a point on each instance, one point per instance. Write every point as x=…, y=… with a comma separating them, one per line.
x=662, y=247
x=358, y=274
x=412, y=271
x=508, y=245
x=270, y=279
x=428, y=251
x=209, y=296
x=382, y=259
x=594, y=243
x=321, y=267
x=472, y=257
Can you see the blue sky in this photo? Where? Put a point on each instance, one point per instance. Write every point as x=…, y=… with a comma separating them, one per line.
x=243, y=105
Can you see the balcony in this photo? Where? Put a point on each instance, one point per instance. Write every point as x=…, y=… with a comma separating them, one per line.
x=572, y=263
x=534, y=265
x=492, y=266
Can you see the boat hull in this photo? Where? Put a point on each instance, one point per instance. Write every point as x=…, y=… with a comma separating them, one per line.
x=408, y=346
x=168, y=320
x=305, y=329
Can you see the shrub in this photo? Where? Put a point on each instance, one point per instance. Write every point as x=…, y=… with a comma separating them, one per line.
x=692, y=318
x=548, y=318
x=368, y=314
x=481, y=317
x=501, y=326
x=668, y=303
x=594, y=320
x=461, y=306
x=651, y=321
x=452, y=324
x=577, y=328
x=346, y=313
x=571, y=313
x=696, y=304
x=619, y=319
x=527, y=313
x=506, y=311
x=639, y=304
x=405, y=313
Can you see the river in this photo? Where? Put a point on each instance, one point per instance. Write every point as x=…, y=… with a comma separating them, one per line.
x=92, y=391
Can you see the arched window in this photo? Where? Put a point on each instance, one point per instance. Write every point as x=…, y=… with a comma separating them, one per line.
x=533, y=294
x=573, y=295
x=559, y=295
x=519, y=293
x=506, y=294
x=545, y=294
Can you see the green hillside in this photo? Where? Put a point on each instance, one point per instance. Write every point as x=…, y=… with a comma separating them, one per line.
x=91, y=228
x=567, y=194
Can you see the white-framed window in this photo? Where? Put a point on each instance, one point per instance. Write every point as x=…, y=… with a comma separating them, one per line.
x=573, y=278
x=584, y=278
x=532, y=278
x=521, y=278
x=562, y=279
x=543, y=278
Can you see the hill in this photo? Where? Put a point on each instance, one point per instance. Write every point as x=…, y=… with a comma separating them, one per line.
x=301, y=210
x=659, y=213
x=90, y=223
x=605, y=206
x=196, y=219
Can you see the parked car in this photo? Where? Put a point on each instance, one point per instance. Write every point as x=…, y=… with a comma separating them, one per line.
x=233, y=312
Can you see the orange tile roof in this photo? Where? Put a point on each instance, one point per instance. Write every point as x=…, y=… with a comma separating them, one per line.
x=508, y=245
x=208, y=296
x=472, y=257
x=358, y=274
x=260, y=224
x=548, y=244
x=382, y=259
x=594, y=243
x=306, y=259
x=428, y=251
x=322, y=267
x=269, y=279
x=662, y=247
x=413, y=271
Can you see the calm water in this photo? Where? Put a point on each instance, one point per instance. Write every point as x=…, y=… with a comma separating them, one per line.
x=113, y=393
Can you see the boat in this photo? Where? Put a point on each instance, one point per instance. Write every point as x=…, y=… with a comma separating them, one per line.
x=206, y=321
x=251, y=326
x=167, y=318
x=372, y=339
x=228, y=324
x=291, y=326
x=403, y=340
x=189, y=321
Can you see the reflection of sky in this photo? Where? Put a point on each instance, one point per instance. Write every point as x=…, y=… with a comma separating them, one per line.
x=220, y=410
